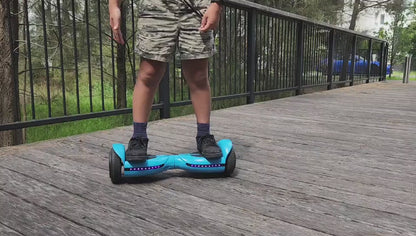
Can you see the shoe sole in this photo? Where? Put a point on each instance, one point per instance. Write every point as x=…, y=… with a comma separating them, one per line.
x=137, y=158
x=212, y=155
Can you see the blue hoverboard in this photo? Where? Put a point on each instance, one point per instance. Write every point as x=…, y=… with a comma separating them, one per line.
x=192, y=162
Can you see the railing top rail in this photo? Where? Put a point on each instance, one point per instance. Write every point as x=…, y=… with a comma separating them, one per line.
x=273, y=11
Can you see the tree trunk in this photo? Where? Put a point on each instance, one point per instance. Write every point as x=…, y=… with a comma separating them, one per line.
x=9, y=87
x=355, y=12
x=121, y=63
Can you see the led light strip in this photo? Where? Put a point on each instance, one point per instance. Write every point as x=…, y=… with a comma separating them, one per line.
x=144, y=168
x=205, y=166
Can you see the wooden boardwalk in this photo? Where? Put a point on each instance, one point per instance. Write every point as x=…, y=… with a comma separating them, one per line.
x=340, y=162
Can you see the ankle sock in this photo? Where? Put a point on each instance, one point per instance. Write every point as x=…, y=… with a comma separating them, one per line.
x=140, y=130
x=203, y=129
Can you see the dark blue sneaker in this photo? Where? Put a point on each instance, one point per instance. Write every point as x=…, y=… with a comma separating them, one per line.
x=137, y=149
x=208, y=147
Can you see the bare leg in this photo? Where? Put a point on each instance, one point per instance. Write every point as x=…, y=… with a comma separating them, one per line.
x=196, y=75
x=150, y=74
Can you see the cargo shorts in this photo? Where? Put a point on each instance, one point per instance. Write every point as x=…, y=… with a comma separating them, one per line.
x=167, y=25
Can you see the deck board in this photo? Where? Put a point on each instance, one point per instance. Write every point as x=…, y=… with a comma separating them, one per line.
x=340, y=162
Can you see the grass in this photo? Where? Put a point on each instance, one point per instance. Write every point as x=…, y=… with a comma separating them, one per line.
x=398, y=75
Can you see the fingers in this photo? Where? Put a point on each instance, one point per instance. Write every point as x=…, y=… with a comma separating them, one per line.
x=117, y=35
x=208, y=26
x=204, y=23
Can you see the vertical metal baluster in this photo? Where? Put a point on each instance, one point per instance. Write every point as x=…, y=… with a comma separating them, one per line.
x=240, y=42
x=45, y=45
x=214, y=66
x=235, y=51
x=293, y=51
x=251, y=54
x=287, y=54
x=226, y=53
x=353, y=53
x=133, y=39
x=264, y=54
x=245, y=49
x=113, y=70
x=370, y=52
x=270, y=47
x=280, y=58
x=220, y=49
x=299, y=57
x=331, y=47
x=174, y=78
x=314, y=60
x=100, y=38
x=29, y=58
x=74, y=39
x=87, y=24
x=58, y=6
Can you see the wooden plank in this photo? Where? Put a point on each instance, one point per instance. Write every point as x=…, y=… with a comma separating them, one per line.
x=288, y=173
x=5, y=230
x=272, y=143
x=132, y=205
x=316, y=162
x=213, y=210
x=101, y=135
x=87, y=213
x=30, y=219
x=298, y=208
x=312, y=176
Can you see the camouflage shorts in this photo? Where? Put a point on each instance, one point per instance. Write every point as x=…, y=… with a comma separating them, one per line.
x=165, y=25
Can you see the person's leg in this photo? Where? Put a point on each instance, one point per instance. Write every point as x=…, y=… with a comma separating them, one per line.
x=148, y=79
x=196, y=75
x=150, y=74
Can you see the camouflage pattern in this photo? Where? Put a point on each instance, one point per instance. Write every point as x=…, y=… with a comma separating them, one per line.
x=165, y=25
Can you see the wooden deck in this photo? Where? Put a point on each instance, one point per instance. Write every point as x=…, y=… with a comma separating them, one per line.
x=339, y=162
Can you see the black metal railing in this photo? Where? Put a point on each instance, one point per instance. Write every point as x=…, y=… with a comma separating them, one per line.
x=69, y=69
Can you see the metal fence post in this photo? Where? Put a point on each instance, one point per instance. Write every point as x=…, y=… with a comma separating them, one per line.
x=164, y=95
x=331, y=47
x=407, y=65
x=386, y=56
x=251, y=54
x=370, y=54
x=382, y=66
x=300, y=57
x=353, y=53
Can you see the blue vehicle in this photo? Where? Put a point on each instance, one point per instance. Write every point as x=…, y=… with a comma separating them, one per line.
x=193, y=162
x=361, y=66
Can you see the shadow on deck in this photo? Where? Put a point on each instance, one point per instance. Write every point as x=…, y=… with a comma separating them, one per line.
x=339, y=162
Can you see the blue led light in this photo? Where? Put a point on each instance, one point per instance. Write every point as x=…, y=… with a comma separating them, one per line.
x=144, y=168
x=205, y=166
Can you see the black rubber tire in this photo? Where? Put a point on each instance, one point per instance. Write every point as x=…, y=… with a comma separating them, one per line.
x=230, y=163
x=115, y=167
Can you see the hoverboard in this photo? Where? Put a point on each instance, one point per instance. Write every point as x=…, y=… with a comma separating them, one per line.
x=193, y=162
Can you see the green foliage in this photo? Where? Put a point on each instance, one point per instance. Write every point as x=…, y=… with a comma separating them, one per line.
x=320, y=10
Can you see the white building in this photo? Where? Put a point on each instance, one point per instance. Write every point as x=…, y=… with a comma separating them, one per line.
x=369, y=21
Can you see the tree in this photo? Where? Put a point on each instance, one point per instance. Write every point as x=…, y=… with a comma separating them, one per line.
x=9, y=96
x=398, y=34
x=324, y=11
x=361, y=5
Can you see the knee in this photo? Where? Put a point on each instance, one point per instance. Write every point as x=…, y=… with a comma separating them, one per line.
x=148, y=78
x=199, y=81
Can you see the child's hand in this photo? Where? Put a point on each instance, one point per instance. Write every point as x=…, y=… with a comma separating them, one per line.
x=115, y=16
x=211, y=18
